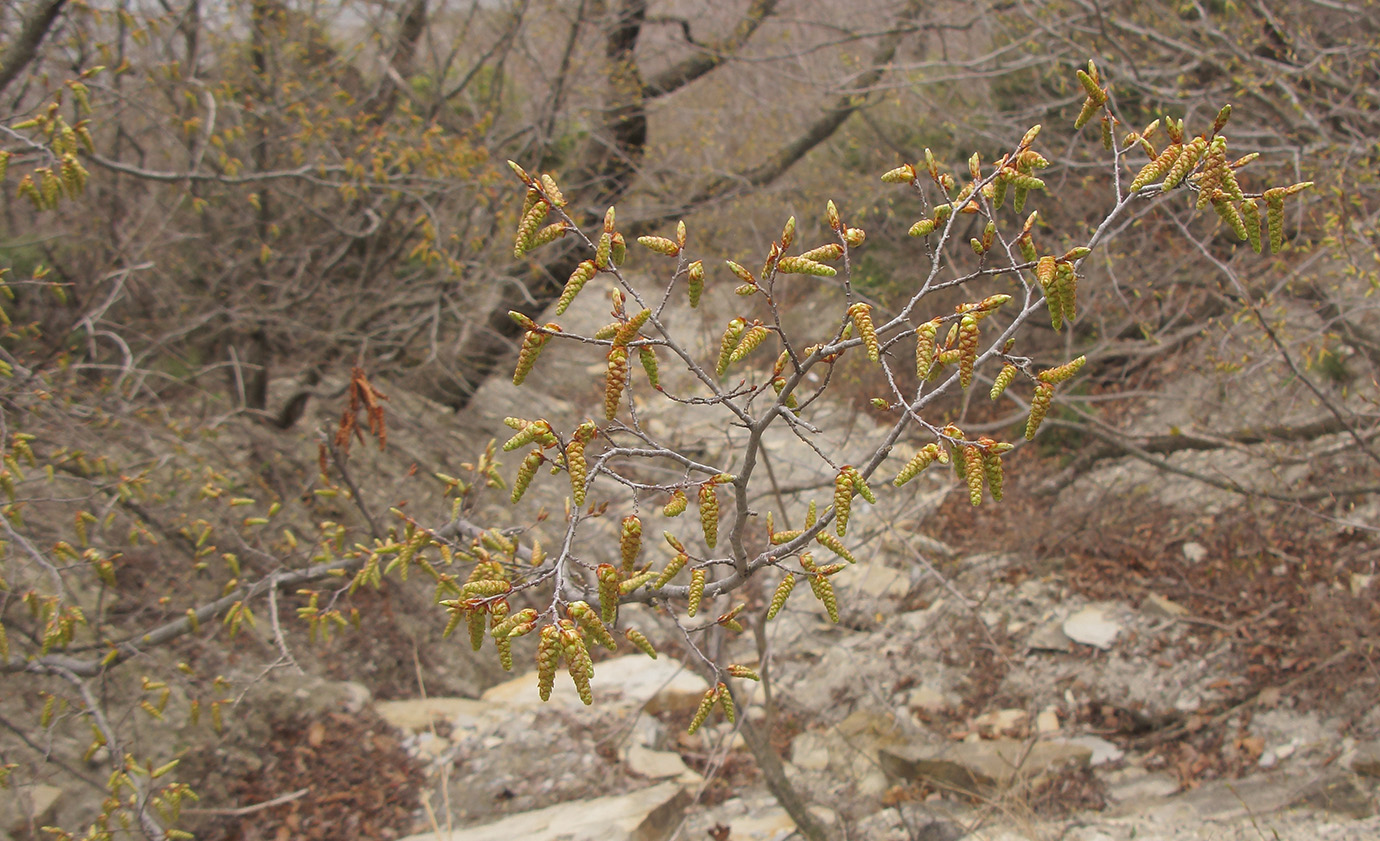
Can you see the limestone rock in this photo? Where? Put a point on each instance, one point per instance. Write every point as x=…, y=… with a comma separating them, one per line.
x=21, y=806
x=1090, y=626
x=1367, y=760
x=981, y=767
x=631, y=681
x=418, y=714
x=657, y=764
x=1049, y=637
x=1103, y=751
x=650, y=814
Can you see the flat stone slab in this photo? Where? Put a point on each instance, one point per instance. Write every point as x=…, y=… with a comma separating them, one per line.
x=650, y=814
x=630, y=681
x=1090, y=626
x=981, y=767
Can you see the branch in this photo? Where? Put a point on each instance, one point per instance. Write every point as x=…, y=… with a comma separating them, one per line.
x=25, y=49
x=835, y=115
x=712, y=54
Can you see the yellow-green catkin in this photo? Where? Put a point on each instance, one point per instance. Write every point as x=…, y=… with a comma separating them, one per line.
x=727, y=344
x=973, y=473
x=578, y=468
x=695, y=272
x=726, y=703
x=927, y=455
x=696, y=593
x=778, y=598
x=548, y=658
x=711, y=697
x=497, y=615
x=843, y=501
x=751, y=340
x=532, y=343
x=577, y=661
x=615, y=381
x=677, y=505
x=860, y=485
x=1274, y=216
x=925, y=347
x=1066, y=277
x=992, y=471
x=709, y=514
x=647, y=357
x=641, y=642
x=526, y=471
x=609, y=581
x=1039, y=405
x=1062, y=373
x=824, y=591
x=1250, y=215
x=1003, y=380
x=967, y=349
x=630, y=542
x=582, y=613
x=833, y=544
x=671, y=571
x=861, y=314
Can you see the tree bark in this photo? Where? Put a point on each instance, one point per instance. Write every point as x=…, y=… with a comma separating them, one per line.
x=25, y=48
x=611, y=170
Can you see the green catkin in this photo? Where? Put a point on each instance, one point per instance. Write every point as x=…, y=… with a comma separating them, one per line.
x=677, y=505
x=1274, y=215
x=578, y=469
x=992, y=471
x=548, y=658
x=706, y=706
x=973, y=473
x=925, y=346
x=732, y=334
x=967, y=349
x=532, y=343
x=630, y=542
x=1004, y=379
x=860, y=485
x=751, y=340
x=609, y=581
x=778, y=598
x=1066, y=277
x=709, y=514
x=927, y=455
x=1039, y=405
x=824, y=591
x=672, y=570
x=1250, y=215
x=640, y=642
x=647, y=357
x=726, y=703
x=577, y=661
x=628, y=331
x=615, y=381
x=582, y=613
x=843, y=501
x=526, y=471
x=1062, y=373
x=695, y=272
x=696, y=593
x=833, y=544
x=861, y=314
x=801, y=265
x=498, y=614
